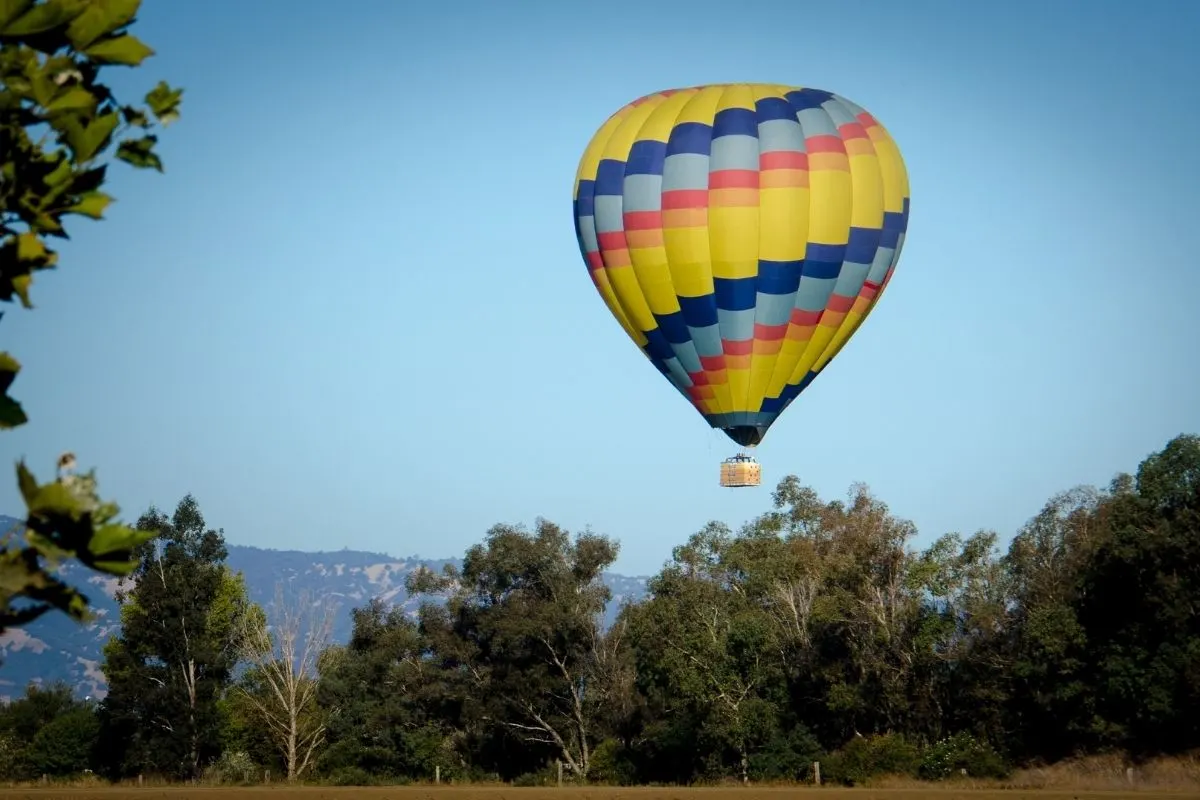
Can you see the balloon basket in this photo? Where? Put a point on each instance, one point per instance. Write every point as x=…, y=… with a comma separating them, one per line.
x=740, y=471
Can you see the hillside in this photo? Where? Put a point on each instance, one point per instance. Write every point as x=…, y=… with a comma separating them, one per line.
x=54, y=647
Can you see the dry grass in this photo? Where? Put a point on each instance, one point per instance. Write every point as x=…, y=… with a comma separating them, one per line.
x=942, y=792
x=1090, y=778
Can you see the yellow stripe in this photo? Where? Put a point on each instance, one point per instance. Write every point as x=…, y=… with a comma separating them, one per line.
x=610, y=300
x=589, y=164
x=623, y=278
x=830, y=205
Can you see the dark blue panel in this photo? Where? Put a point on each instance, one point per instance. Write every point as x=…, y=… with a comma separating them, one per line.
x=774, y=108
x=779, y=277
x=674, y=327
x=699, y=312
x=690, y=137
x=803, y=99
x=821, y=269
x=731, y=121
x=862, y=246
x=610, y=177
x=657, y=345
x=893, y=225
x=735, y=294
x=646, y=158
x=585, y=202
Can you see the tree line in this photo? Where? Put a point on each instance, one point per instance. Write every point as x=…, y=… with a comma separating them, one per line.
x=816, y=631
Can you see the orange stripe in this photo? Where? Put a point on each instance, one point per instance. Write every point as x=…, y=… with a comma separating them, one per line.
x=733, y=198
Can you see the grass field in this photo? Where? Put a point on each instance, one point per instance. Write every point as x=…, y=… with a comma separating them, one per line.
x=597, y=793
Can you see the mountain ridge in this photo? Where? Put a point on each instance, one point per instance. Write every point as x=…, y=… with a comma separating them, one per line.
x=54, y=647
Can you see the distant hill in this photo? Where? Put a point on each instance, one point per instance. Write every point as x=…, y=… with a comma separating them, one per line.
x=54, y=647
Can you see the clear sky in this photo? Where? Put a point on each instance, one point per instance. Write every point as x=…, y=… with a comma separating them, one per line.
x=353, y=313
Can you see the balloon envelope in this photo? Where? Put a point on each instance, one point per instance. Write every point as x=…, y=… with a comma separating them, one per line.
x=740, y=234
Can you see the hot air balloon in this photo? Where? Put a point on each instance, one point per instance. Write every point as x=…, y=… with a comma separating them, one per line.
x=740, y=234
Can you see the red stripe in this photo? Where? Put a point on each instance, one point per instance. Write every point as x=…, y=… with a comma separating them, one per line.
x=713, y=363
x=614, y=240
x=684, y=198
x=733, y=179
x=800, y=317
x=783, y=159
x=643, y=220
x=699, y=378
x=852, y=130
x=825, y=144
x=741, y=348
x=770, y=333
x=867, y=120
x=870, y=285
x=595, y=260
x=839, y=302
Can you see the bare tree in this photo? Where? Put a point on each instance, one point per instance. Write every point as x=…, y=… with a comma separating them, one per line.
x=282, y=686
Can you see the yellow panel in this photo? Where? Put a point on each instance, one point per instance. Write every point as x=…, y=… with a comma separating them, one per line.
x=659, y=124
x=831, y=196
x=867, y=190
x=702, y=106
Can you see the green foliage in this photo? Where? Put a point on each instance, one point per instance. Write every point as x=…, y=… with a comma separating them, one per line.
x=63, y=747
x=47, y=731
x=60, y=125
x=962, y=754
x=863, y=758
x=174, y=658
x=612, y=764
x=787, y=756
x=756, y=653
x=233, y=766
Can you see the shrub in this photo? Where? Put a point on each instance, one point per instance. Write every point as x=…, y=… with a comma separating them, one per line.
x=611, y=764
x=952, y=755
x=351, y=776
x=863, y=758
x=234, y=766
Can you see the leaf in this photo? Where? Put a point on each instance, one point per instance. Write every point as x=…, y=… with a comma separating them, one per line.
x=95, y=137
x=91, y=205
x=41, y=18
x=11, y=9
x=74, y=99
x=20, y=287
x=60, y=173
x=135, y=116
x=11, y=413
x=89, y=180
x=26, y=482
x=30, y=247
x=139, y=153
x=164, y=102
x=9, y=367
x=101, y=18
x=128, y=50
x=53, y=499
x=111, y=548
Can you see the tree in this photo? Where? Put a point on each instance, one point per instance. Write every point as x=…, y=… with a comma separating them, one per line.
x=59, y=126
x=46, y=731
x=709, y=654
x=521, y=634
x=281, y=684
x=378, y=695
x=1138, y=604
x=179, y=642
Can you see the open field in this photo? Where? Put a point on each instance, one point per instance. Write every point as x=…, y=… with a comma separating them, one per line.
x=596, y=793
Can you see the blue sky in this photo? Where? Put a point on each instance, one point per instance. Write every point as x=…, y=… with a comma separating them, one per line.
x=353, y=313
